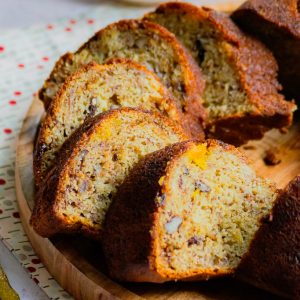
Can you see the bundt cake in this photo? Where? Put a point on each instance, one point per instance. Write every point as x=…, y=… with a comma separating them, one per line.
x=92, y=90
x=277, y=24
x=186, y=212
x=92, y=164
x=273, y=260
x=148, y=44
x=241, y=94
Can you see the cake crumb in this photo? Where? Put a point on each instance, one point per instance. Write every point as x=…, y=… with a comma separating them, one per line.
x=271, y=158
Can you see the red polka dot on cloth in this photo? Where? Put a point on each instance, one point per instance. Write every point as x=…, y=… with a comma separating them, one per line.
x=90, y=21
x=7, y=130
x=12, y=102
x=2, y=181
x=2, y=48
x=49, y=27
x=31, y=269
x=21, y=66
x=16, y=215
x=45, y=58
x=72, y=21
x=36, y=261
x=68, y=29
x=17, y=93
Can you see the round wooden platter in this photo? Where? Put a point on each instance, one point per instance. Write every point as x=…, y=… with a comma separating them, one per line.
x=77, y=264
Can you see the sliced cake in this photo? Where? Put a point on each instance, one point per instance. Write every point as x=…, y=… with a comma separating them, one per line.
x=277, y=24
x=241, y=94
x=148, y=44
x=187, y=212
x=92, y=164
x=94, y=89
x=273, y=259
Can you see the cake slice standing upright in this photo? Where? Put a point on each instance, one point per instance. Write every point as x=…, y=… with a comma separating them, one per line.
x=186, y=212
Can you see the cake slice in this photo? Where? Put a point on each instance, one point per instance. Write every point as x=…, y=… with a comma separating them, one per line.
x=187, y=212
x=277, y=24
x=273, y=259
x=91, y=165
x=94, y=89
x=241, y=94
x=148, y=44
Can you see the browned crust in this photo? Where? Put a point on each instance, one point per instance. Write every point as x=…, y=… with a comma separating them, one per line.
x=257, y=71
x=277, y=24
x=273, y=262
x=45, y=218
x=193, y=79
x=131, y=226
x=56, y=102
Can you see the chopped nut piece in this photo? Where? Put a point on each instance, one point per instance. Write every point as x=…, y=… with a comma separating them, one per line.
x=195, y=240
x=203, y=187
x=160, y=200
x=186, y=171
x=173, y=225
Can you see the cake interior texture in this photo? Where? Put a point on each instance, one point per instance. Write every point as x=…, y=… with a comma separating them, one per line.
x=101, y=160
x=214, y=203
x=139, y=43
x=95, y=89
x=223, y=95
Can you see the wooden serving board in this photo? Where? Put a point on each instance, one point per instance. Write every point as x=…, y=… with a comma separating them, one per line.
x=77, y=264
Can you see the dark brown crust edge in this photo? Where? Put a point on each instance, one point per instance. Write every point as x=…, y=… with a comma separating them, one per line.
x=273, y=260
x=277, y=24
x=44, y=218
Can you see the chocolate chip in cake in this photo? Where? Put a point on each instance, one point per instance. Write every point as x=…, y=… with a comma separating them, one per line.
x=115, y=157
x=173, y=225
x=201, y=186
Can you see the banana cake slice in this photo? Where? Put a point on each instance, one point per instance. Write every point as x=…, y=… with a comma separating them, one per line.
x=241, y=95
x=146, y=43
x=94, y=89
x=92, y=164
x=186, y=212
